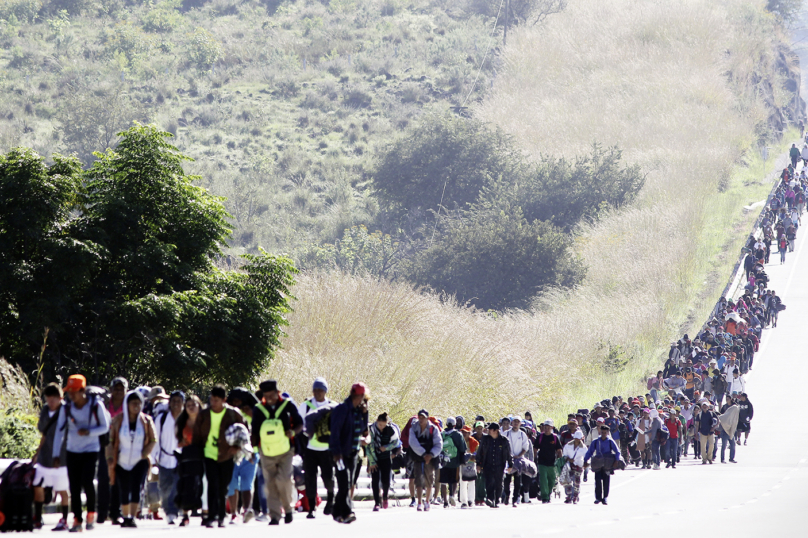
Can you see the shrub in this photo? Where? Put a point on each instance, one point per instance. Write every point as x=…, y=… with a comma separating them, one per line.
x=22, y=10
x=203, y=49
x=161, y=19
x=19, y=436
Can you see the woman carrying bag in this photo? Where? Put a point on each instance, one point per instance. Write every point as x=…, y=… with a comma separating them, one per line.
x=570, y=477
x=131, y=440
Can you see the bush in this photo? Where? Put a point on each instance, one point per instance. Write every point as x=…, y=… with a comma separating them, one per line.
x=496, y=261
x=203, y=49
x=162, y=19
x=22, y=10
x=19, y=437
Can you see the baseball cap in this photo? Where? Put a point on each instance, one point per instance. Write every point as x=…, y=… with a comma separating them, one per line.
x=75, y=383
x=360, y=389
x=423, y=412
x=479, y=423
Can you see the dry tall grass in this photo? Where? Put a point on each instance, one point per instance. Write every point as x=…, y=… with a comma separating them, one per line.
x=15, y=390
x=647, y=75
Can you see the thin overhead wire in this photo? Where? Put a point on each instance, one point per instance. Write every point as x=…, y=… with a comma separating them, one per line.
x=485, y=56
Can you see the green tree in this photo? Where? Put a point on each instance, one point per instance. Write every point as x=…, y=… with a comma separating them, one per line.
x=150, y=305
x=495, y=260
x=446, y=157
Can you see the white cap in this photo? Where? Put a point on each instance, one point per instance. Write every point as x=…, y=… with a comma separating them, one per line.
x=549, y=422
x=578, y=434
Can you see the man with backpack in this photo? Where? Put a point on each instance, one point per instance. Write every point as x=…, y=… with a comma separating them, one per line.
x=209, y=434
x=453, y=452
x=164, y=459
x=275, y=422
x=316, y=413
x=548, y=448
x=426, y=445
x=83, y=422
x=46, y=475
x=794, y=154
x=349, y=426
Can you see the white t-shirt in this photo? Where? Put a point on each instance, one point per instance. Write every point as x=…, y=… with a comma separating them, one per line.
x=576, y=454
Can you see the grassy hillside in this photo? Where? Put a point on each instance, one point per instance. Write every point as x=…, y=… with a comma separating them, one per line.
x=281, y=103
x=682, y=88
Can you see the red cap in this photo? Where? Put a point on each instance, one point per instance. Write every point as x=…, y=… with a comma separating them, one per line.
x=75, y=383
x=359, y=389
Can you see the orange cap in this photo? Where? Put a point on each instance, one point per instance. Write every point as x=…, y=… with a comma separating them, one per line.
x=75, y=383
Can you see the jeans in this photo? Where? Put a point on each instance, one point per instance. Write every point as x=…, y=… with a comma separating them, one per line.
x=547, y=480
x=726, y=439
x=783, y=256
x=261, y=498
x=219, y=474
x=673, y=450
x=81, y=473
x=168, y=489
x=343, y=503
x=312, y=461
x=602, y=479
x=655, y=451
x=381, y=476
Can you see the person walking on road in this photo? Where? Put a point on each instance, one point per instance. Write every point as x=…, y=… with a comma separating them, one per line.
x=606, y=454
x=191, y=463
x=574, y=453
x=209, y=434
x=468, y=474
x=494, y=459
x=426, y=445
x=708, y=421
x=794, y=154
x=672, y=448
x=47, y=475
x=746, y=413
x=164, y=458
x=131, y=440
x=316, y=413
x=727, y=425
x=275, y=422
x=548, y=448
x=349, y=425
x=453, y=450
x=385, y=438
x=109, y=499
x=83, y=422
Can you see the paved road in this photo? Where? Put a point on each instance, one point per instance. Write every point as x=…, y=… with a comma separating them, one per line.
x=766, y=491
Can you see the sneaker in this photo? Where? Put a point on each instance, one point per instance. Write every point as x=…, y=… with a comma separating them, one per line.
x=490, y=503
x=604, y=502
x=452, y=501
x=233, y=519
x=384, y=504
x=310, y=515
x=733, y=461
x=171, y=520
x=376, y=508
x=412, y=504
x=597, y=501
x=515, y=505
x=61, y=526
x=446, y=505
x=185, y=521
x=156, y=516
x=744, y=441
x=221, y=524
x=76, y=527
x=350, y=519
x=420, y=507
x=287, y=518
x=262, y=518
x=274, y=521
x=116, y=521
x=463, y=506
x=249, y=515
x=426, y=507
x=38, y=525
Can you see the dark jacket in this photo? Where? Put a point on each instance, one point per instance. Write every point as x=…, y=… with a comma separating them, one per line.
x=342, y=428
x=494, y=455
x=746, y=411
x=202, y=429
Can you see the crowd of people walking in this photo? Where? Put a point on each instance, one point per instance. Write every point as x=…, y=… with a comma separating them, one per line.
x=243, y=455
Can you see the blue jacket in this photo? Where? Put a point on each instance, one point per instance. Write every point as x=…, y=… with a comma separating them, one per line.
x=342, y=428
x=603, y=447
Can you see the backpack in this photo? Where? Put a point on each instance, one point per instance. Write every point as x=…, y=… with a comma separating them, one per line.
x=93, y=395
x=272, y=434
x=17, y=497
x=449, y=447
x=662, y=434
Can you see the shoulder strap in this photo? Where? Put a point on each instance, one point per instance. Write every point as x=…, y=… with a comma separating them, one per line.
x=263, y=410
x=163, y=417
x=281, y=408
